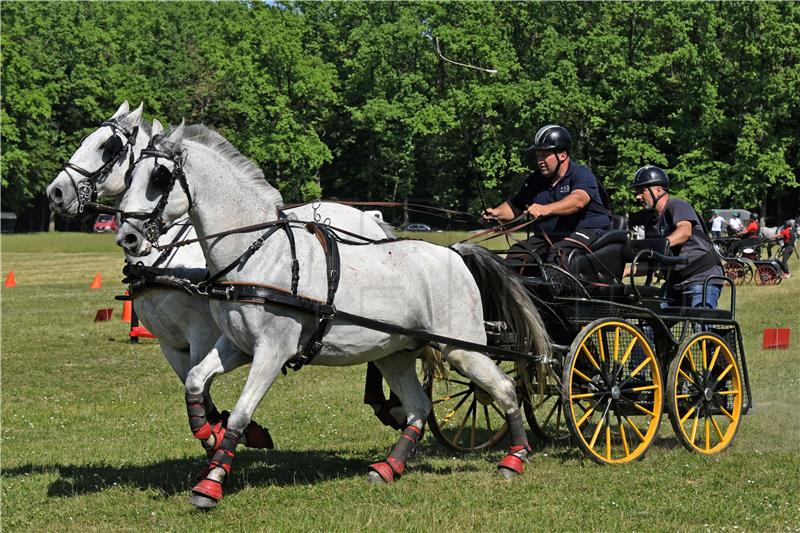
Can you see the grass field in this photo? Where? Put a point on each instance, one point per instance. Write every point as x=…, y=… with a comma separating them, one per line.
x=95, y=438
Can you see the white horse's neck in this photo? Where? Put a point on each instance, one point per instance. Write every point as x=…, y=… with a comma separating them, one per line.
x=225, y=198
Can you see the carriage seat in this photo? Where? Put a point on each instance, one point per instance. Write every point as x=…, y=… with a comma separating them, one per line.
x=606, y=261
x=696, y=312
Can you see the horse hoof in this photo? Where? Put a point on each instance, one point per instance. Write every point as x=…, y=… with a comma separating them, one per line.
x=202, y=502
x=374, y=478
x=506, y=473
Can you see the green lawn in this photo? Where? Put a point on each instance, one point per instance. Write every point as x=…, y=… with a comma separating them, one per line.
x=95, y=437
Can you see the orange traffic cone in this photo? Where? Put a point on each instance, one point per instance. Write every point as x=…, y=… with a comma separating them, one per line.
x=97, y=282
x=126, y=309
x=10, y=281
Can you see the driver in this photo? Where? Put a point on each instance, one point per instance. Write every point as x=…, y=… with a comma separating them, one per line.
x=676, y=220
x=562, y=196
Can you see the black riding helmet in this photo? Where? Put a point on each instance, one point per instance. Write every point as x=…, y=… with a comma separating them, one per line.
x=552, y=137
x=650, y=175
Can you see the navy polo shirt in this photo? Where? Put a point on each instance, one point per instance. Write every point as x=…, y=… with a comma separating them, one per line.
x=537, y=190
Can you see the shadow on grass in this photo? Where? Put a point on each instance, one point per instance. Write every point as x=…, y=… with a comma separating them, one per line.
x=175, y=476
x=251, y=468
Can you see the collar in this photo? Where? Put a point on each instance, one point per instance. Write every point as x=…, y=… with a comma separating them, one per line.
x=567, y=174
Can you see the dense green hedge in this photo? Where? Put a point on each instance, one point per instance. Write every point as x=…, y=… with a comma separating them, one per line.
x=350, y=99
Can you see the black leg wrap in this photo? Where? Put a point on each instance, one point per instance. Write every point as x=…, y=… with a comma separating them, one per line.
x=406, y=444
x=195, y=409
x=518, y=436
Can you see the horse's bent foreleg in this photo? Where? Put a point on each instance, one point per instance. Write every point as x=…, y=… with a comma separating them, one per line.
x=265, y=368
x=400, y=372
x=209, y=425
x=488, y=376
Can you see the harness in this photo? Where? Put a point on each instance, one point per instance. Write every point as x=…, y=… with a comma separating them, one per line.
x=86, y=188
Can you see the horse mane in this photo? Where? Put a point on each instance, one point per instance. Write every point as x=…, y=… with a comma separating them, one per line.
x=202, y=134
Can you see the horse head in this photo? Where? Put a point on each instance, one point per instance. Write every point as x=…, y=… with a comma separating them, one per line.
x=152, y=201
x=97, y=169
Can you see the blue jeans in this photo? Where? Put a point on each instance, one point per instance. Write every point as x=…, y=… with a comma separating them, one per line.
x=692, y=296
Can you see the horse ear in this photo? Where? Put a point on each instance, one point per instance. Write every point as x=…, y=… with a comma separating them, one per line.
x=157, y=128
x=176, y=136
x=123, y=110
x=135, y=116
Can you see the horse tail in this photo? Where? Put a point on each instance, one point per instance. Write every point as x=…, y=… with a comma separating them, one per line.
x=433, y=360
x=505, y=298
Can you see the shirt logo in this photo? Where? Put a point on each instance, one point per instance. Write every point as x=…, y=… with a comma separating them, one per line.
x=563, y=188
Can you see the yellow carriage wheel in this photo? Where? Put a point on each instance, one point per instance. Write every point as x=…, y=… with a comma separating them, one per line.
x=704, y=394
x=464, y=417
x=613, y=391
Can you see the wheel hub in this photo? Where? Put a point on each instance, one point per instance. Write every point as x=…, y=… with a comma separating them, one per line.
x=615, y=392
x=708, y=394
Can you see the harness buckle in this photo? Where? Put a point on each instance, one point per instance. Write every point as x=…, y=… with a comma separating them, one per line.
x=327, y=311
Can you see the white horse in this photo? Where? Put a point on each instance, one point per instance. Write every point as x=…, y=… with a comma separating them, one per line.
x=407, y=284
x=181, y=322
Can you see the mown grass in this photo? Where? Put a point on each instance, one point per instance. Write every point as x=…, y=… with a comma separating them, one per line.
x=94, y=436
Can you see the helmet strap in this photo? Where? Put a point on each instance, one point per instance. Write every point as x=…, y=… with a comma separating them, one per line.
x=655, y=198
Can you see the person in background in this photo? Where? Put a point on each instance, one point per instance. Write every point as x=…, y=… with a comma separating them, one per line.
x=748, y=236
x=735, y=224
x=788, y=238
x=716, y=225
x=677, y=221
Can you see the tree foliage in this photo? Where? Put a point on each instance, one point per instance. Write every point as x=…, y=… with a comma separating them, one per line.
x=351, y=99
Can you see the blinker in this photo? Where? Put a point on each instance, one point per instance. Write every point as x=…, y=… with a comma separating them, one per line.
x=160, y=177
x=111, y=148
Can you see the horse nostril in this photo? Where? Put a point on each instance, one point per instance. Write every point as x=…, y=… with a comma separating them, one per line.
x=130, y=240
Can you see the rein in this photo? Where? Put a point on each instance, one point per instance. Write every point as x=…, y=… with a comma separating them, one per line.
x=86, y=189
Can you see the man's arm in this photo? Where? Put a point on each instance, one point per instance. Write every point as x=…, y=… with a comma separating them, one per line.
x=572, y=203
x=502, y=212
x=683, y=230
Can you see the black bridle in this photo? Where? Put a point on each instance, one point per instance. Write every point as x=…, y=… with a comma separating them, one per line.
x=162, y=178
x=86, y=188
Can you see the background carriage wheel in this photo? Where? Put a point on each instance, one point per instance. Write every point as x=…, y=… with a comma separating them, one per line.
x=543, y=404
x=464, y=417
x=767, y=275
x=613, y=391
x=704, y=394
x=736, y=272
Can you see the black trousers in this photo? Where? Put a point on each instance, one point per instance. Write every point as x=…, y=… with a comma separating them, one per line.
x=786, y=253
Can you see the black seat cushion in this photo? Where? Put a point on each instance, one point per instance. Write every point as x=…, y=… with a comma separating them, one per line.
x=606, y=261
x=622, y=291
x=696, y=312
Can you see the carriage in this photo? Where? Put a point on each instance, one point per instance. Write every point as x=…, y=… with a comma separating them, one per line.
x=618, y=360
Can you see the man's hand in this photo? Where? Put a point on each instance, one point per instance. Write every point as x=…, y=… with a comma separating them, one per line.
x=539, y=210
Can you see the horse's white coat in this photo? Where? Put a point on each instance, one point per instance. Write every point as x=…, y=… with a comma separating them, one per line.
x=412, y=284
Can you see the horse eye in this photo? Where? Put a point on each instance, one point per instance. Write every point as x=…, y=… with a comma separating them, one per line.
x=160, y=176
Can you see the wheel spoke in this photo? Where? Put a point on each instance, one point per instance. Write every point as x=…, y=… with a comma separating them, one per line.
x=688, y=414
x=635, y=429
x=600, y=344
x=716, y=427
x=722, y=375
x=585, y=416
x=623, y=436
x=616, y=345
x=488, y=420
x=473, y=431
x=452, y=412
x=640, y=389
x=705, y=354
x=708, y=434
x=642, y=409
x=608, y=441
x=461, y=426
x=586, y=395
x=637, y=369
x=581, y=374
x=550, y=414
x=628, y=351
x=714, y=357
x=446, y=398
x=589, y=355
x=688, y=378
x=694, y=426
x=597, y=432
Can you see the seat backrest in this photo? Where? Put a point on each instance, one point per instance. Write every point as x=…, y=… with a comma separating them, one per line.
x=606, y=261
x=633, y=247
x=619, y=222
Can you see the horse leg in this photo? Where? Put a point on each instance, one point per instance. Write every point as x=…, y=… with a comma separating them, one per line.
x=488, y=376
x=400, y=372
x=266, y=367
x=255, y=436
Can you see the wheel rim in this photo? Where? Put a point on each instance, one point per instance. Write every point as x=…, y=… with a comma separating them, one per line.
x=614, y=392
x=544, y=408
x=464, y=417
x=706, y=394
